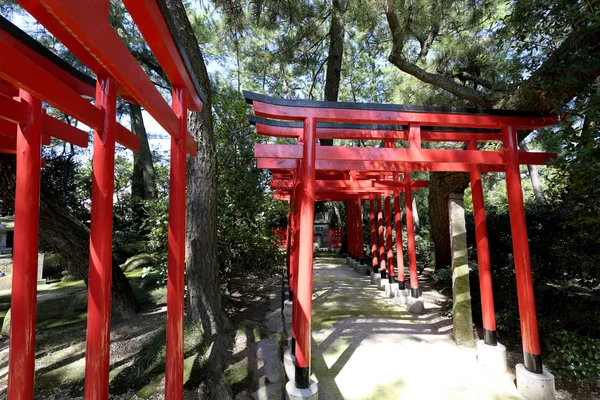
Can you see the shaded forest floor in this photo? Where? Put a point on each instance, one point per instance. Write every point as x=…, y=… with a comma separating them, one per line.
x=137, y=352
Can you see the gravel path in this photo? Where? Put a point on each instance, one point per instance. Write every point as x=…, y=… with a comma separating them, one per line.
x=367, y=347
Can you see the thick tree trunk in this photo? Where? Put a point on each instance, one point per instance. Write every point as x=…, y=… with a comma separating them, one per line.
x=143, y=179
x=204, y=292
x=70, y=238
x=441, y=185
x=335, y=55
x=538, y=191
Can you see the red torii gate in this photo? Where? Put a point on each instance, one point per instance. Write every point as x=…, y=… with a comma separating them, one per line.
x=309, y=120
x=30, y=74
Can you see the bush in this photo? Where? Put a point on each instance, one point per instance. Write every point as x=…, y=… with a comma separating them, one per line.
x=574, y=357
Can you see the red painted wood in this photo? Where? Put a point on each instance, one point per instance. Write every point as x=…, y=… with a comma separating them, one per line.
x=151, y=23
x=388, y=235
x=305, y=265
x=410, y=233
x=398, y=227
x=527, y=314
x=483, y=251
x=381, y=231
x=399, y=117
x=372, y=134
x=93, y=31
x=100, y=278
x=176, y=251
x=361, y=248
x=375, y=260
x=25, y=253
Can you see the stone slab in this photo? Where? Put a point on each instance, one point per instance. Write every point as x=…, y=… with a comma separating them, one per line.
x=374, y=277
x=391, y=289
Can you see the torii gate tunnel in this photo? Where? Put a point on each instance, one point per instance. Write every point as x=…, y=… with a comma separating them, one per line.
x=29, y=75
x=306, y=172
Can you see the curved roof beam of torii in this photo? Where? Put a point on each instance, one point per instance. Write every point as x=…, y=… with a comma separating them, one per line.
x=323, y=111
x=91, y=38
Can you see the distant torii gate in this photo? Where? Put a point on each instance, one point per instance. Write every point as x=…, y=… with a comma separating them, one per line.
x=311, y=120
x=31, y=74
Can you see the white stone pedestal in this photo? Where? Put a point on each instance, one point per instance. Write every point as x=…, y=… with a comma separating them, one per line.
x=288, y=365
x=492, y=358
x=401, y=297
x=415, y=305
x=382, y=283
x=535, y=386
x=375, y=277
x=391, y=289
x=293, y=393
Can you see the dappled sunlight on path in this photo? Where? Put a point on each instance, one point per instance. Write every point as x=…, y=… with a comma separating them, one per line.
x=367, y=347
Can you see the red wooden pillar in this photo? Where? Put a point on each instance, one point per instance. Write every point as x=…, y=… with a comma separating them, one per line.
x=527, y=314
x=375, y=261
x=388, y=234
x=288, y=242
x=295, y=259
x=382, y=269
x=399, y=250
x=410, y=233
x=361, y=244
x=305, y=266
x=176, y=252
x=21, y=367
x=100, y=278
x=349, y=230
x=483, y=255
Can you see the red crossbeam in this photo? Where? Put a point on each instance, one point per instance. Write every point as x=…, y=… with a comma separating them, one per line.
x=372, y=159
x=348, y=186
x=399, y=117
x=150, y=21
x=90, y=27
x=374, y=134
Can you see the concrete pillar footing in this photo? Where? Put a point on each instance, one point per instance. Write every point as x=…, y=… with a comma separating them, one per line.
x=287, y=306
x=534, y=386
x=391, y=289
x=401, y=297
x=363, y=269
x=374, y=277
x=288, y=365
x=293, y=393
x=382, y=283
x=492, y=358
x=415, y=305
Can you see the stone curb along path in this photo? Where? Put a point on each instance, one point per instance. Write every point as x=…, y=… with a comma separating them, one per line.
x=365, y=346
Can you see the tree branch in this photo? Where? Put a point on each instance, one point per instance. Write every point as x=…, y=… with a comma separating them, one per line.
x=440, y=81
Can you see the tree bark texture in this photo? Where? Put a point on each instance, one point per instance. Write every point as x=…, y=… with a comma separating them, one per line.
x=335, y=56
x=143, y=180
x=70, y=238
x=204, y=292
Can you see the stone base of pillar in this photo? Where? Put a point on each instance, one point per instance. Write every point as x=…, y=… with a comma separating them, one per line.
x=354, y=264
x=534, y=386
x=374, y=277
x=287, y=306
x=348, y=260
x=415, y=305
x=401, y=297
x=391, y=289
x=363, y=269
x=293, y=393
x=382, y=283
x=492, y=358
x=288, y=365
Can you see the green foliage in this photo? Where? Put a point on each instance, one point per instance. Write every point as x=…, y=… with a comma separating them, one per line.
x=574, y=357
x=246, y=210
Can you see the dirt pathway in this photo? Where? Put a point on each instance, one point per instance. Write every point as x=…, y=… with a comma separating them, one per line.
x=367, y=347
